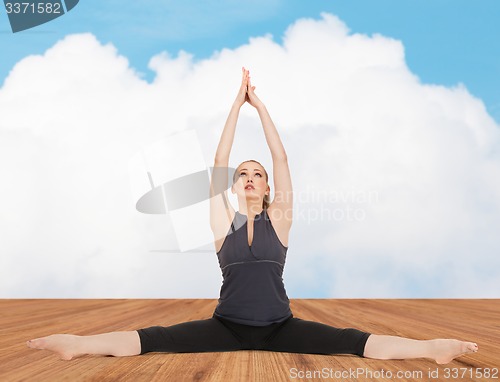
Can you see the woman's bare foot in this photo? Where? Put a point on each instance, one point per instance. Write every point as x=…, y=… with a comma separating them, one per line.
x=66, y=345
x=447, y=350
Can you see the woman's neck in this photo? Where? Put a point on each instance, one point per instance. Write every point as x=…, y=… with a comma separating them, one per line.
x=250, y=210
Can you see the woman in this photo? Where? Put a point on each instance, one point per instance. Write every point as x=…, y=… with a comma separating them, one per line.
x=253, y=310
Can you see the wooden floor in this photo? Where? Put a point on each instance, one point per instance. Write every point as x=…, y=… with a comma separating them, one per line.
x=20, y=320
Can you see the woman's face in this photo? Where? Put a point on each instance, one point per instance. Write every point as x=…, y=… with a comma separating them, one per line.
x=251, y=181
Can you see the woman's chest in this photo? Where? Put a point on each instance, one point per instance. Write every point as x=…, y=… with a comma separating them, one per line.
x=249, y=233
x=251, y=242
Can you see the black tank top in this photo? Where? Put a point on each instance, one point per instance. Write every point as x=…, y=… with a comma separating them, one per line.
x=252, y=291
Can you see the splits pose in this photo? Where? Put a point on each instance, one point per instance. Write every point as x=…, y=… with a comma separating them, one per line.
x=253, y=312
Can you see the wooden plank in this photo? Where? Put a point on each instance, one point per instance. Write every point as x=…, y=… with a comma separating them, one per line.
x=20, y=320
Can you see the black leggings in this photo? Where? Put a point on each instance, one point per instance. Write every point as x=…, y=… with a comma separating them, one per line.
x=218, y=335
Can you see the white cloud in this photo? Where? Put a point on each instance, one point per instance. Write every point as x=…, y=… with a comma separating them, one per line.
x=405, y=175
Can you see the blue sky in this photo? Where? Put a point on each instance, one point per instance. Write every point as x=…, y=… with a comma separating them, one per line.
x=447, y=41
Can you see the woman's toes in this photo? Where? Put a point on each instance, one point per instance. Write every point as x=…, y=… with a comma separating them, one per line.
x=472, y=346
x=38, y=343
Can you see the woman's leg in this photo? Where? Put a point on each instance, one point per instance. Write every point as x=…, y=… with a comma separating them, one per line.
x=69, y=346
x=192, y=336
x=440, y=350
x=198, y=336
x=309, y=337
x=301, y=336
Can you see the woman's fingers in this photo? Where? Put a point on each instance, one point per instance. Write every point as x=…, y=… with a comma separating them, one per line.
x=246, y=85
x=250, y=88
x=244, y=80
x=242, y=92
x=243, y=77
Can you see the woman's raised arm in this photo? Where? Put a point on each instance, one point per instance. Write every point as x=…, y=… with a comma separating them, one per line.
x=227, y=137
x=283, y=190
x=221, y=211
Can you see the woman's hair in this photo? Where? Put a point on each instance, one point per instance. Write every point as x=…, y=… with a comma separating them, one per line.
x=267, y=199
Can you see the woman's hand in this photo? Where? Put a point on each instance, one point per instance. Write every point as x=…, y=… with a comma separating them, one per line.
x=251, y=97
x=247, y=91
x=241, y=98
